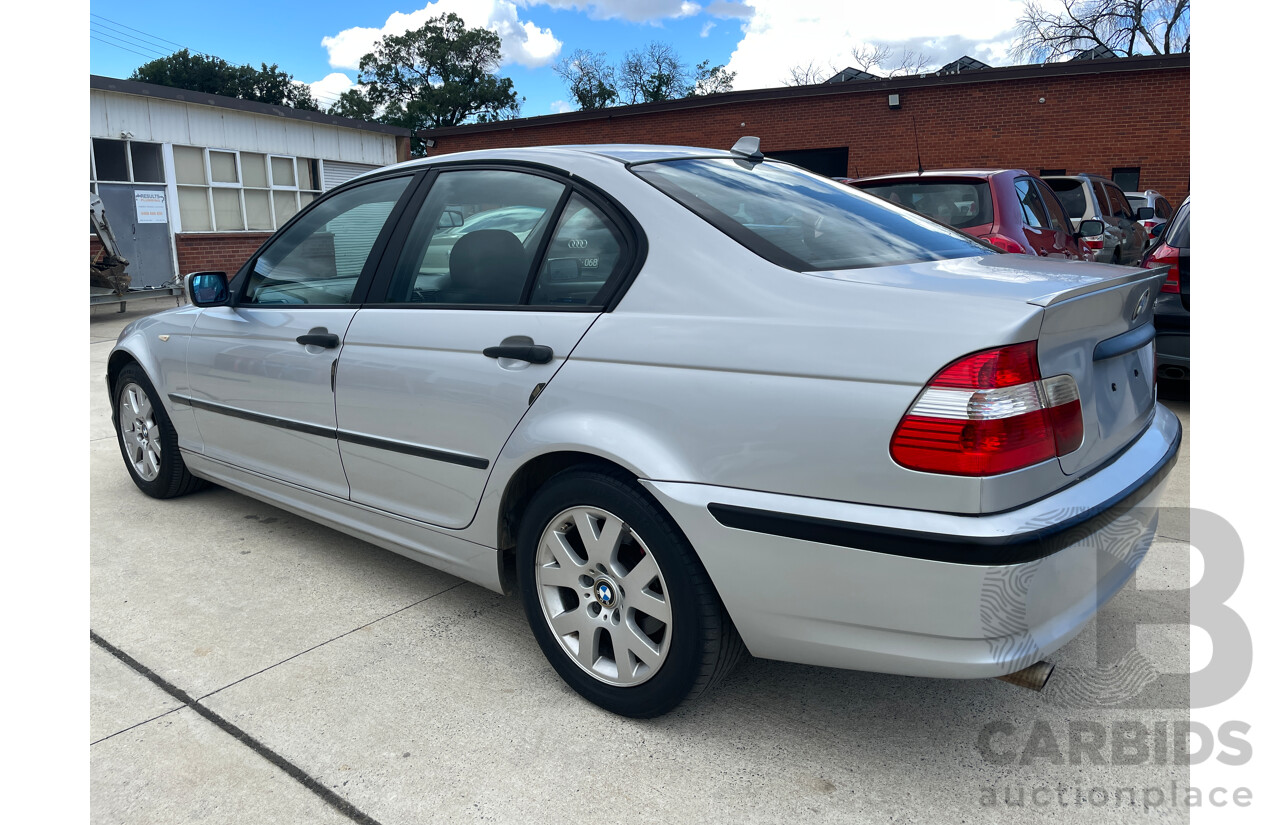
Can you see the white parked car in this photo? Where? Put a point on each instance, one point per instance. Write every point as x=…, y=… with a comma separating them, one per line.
x=705, y=401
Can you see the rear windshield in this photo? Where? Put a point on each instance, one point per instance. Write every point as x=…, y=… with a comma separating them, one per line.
x=958, y=203
x=802, y=221
x=1136, y=203
x=1071, y=193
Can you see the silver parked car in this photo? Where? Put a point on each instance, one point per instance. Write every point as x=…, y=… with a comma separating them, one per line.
x=1152, y=210
x=711, y=401
x=1093, y=197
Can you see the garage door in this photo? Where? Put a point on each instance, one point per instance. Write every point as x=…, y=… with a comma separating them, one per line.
x=336, y=172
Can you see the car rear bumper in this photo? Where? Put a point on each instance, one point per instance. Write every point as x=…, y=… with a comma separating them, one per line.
x=921, y=593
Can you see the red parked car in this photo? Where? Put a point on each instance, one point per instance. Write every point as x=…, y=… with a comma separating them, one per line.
x=1011, y=209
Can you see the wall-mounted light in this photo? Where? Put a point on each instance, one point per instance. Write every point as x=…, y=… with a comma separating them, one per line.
x=431, y=144
x=126, y=135
x=895, y=102
x=1042, y=100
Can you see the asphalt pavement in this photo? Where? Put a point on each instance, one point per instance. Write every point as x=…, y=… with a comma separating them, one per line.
x=248, y=666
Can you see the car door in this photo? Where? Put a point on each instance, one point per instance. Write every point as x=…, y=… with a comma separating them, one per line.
x=261, y=370
x=469, y=328
x=1133, y=236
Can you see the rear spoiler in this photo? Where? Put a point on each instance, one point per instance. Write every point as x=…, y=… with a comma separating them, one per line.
x=1129, y=277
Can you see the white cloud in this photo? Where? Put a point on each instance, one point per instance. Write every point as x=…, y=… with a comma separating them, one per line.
x=720, y=8
x=559, y=107
x=784, y=33
x=706, y=28
x=522, y=42
x=327, y=89
x=637, y=11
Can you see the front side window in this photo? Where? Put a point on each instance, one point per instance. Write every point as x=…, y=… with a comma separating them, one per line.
x=475, y=238
x=1119, y=203
x=320, y=258
x=801, y=221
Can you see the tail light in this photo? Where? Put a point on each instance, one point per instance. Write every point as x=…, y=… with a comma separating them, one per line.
x=1161, y=255
x=1094, y=242
x=1148, y=225
x=990, y=413
x=1004, y=244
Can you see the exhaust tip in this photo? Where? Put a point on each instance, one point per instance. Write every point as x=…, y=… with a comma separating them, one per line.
x=1034, y=677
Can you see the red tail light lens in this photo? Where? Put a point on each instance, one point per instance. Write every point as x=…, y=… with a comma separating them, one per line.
x=1004, y=244
x=1094, y=242
x=990, y=413
x=1161, y=255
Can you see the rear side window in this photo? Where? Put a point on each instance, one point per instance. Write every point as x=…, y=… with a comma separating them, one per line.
x=1119, y=203
x=958, y=203
x=1071, y=193
x=1179, y=234
x=1057, y=217
x=1033, y=211
x=801, y=221
x=585, y=252
x=1100, y=195
x=475, y=238
x=1163, y=209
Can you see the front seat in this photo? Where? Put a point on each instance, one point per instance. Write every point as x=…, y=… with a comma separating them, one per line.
x=487, y=266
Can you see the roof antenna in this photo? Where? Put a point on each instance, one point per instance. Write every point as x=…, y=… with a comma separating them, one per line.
x=748, y=147
x=919, y=163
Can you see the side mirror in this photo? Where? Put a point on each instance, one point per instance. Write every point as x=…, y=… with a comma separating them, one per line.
x=208, y=289
x=1146, y=213
x=1090, y=228
x=450, y=218
x=562, y=269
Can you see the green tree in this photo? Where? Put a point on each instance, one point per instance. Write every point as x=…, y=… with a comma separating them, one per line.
x=711, y=80
x=353, y=103
x=442, y=74
x=213, y=75
x=592, y=81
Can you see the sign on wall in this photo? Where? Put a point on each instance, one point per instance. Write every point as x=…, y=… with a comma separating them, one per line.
x=151, y=207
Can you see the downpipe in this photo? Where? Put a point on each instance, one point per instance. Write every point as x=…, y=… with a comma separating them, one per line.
x=1034, y=677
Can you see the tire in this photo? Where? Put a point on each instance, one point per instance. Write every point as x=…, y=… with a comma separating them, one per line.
x=655, y=632
x=148, y=442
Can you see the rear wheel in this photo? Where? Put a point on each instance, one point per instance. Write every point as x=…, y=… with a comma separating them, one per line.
x=148, y=441
x=616, y=598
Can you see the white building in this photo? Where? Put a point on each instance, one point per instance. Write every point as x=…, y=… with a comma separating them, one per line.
x=194, y=181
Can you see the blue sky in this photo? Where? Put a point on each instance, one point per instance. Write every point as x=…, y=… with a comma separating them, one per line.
x=320, y=42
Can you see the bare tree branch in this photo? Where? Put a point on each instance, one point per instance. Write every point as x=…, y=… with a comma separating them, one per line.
x=1126, y=27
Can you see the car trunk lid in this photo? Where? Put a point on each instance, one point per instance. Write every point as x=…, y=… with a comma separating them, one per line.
x=1103, y=336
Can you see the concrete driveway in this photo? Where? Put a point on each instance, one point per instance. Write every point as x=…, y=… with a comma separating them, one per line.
x=248, y=666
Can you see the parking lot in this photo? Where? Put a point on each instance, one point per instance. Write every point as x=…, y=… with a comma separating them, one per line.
x=250, y=666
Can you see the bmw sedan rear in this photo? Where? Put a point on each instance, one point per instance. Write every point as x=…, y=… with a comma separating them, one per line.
x=705, y=402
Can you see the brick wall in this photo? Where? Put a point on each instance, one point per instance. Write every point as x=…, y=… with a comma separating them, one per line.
x=1088, y=123
x=217, y=252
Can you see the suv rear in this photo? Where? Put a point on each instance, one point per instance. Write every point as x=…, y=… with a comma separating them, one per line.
x=1093, y=197
x=1011, y=209
x=1173, y=304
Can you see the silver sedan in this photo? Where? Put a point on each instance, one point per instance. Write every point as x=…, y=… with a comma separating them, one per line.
x=697, y=402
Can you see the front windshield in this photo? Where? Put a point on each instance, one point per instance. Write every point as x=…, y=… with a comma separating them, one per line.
x=802, y=221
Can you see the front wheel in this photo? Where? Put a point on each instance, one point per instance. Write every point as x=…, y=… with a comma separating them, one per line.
x=616, y=598
x=148, y=441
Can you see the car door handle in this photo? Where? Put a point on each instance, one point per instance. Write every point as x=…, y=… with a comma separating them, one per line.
x=533, y=353
x=319, y=337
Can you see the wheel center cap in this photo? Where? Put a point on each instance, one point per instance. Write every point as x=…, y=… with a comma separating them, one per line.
x=606, y=592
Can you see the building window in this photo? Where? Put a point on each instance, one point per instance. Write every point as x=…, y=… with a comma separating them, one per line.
x=124, y=161
x=229, y=191
x=1126, y=177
